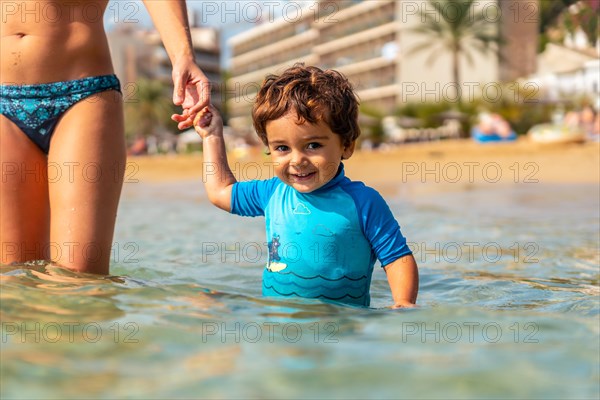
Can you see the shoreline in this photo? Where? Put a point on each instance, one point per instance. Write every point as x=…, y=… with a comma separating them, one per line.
x=425, y=165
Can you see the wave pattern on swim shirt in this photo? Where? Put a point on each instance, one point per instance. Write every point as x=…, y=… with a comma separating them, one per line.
x=349, y=289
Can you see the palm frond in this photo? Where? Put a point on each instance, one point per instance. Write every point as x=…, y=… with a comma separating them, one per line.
x=419, y=48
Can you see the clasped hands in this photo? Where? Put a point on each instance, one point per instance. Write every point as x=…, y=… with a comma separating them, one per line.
x=191, y=91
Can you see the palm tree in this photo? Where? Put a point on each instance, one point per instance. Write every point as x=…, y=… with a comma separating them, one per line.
x=456, y=28
x=148, y=107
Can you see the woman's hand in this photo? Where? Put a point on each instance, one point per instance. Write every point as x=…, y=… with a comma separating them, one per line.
x=191, y=91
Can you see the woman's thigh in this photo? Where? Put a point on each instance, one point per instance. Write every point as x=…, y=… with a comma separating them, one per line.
x=24, y=209
x=88, y=153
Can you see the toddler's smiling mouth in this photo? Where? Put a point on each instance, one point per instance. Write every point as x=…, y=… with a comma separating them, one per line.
x=303, y=176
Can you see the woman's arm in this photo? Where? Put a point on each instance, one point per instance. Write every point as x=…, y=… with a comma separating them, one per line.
x=191, y=87
x=170, y=19
x=403, y=277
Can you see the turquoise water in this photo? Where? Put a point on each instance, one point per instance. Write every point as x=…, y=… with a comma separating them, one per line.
x=509, y=307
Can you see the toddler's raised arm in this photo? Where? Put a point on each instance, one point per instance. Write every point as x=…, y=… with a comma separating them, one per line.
x=217, y=175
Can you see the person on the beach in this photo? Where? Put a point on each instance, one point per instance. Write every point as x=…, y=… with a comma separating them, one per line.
x=62, y=145
x=324, y=232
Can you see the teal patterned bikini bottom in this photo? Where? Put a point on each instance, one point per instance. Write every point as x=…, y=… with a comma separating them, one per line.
x=36, y=109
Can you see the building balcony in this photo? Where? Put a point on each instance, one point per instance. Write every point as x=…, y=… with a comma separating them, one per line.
x=304, y=38
x=208, y=64
x=357, y=38
x=266, y=34
x=259, y=74
x=375, y=17
x=366, y=66
x=379, y=92
x=355, y=10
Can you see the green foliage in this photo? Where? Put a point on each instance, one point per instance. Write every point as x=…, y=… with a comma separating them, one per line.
x=550, y=11
x=555, y=15
x=226, y=95
x=148, y=109
x=522, y=110
x=519, y=105
x=432, y=114
x=370, y=124
x=585, y=18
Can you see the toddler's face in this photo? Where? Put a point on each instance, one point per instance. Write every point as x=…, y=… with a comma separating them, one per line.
x=306, y=156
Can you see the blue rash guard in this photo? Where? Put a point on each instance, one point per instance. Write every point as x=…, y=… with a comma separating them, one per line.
x=322, y=244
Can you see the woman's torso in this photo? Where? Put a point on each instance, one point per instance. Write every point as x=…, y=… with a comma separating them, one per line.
x=51, y=41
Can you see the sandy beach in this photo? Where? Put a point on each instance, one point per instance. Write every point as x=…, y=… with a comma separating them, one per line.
x=430, y=166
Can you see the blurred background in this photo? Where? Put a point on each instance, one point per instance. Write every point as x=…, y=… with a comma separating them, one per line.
x=480, y=129
x=423, y=70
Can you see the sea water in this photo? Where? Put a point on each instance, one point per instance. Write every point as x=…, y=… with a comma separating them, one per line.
x=508, y=307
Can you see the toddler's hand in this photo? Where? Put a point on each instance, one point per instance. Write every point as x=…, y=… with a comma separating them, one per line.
x=208, y=122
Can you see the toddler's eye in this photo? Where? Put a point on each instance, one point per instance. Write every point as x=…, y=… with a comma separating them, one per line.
x=281, y=148
x=314, y=145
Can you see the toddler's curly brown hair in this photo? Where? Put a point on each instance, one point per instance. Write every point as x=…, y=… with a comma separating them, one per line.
x=314, y=95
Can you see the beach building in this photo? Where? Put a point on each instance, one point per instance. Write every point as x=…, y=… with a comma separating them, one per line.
x=568, y=71
x=370, y=42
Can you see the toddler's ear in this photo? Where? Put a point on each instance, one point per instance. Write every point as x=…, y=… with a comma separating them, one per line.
x=348, y=151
